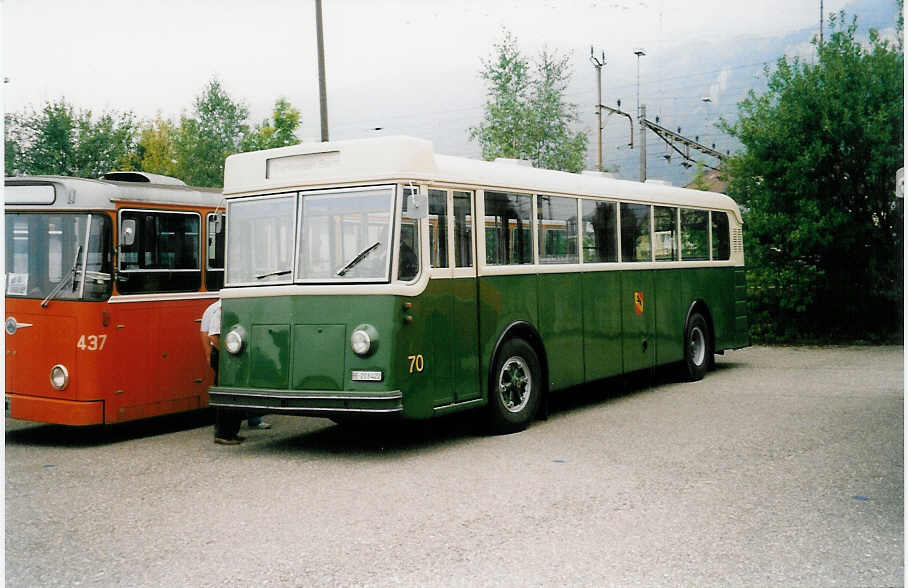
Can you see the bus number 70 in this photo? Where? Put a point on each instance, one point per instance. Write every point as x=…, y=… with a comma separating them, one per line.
x=416, y=362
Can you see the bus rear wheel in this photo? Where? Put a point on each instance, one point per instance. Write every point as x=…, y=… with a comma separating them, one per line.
x=515, y=387
x=698, y=347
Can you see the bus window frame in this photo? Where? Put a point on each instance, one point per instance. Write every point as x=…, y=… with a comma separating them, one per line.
x=466, y=271
x=296, y=229
x=453, y=270
x=119, y=251
x=422, y=237
x=537, y=253
x=208, y=234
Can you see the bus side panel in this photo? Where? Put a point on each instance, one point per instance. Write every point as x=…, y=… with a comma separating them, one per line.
x=465, y=339
x=434, y=307
x=712, y=286
x=502, y=301
x=601, y=324
x=159, y=365
x=670, y=313
x=561, y=327
x=637, y=319
x=136, y=337
x=719, y=292
x=742, y=333
x=185, y=373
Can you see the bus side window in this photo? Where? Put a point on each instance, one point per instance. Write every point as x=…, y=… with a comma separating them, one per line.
x=463, y=230
x=600, y=231
x=694, y=235
x=438, y=228
x=721, y=246
x=214, y=252
x=509, y=240
x=635, y=238
x=665, y=233
x=408, y=257
x=557, y=222
x=165, y=241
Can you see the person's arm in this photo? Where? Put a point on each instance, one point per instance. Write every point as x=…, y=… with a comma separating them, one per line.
x=206, y=346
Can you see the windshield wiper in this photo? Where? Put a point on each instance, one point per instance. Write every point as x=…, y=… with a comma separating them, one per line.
x=272, y=274
x=70, y=277
x=359, y=257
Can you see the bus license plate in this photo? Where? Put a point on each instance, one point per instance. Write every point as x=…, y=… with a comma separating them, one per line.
x=366, y=376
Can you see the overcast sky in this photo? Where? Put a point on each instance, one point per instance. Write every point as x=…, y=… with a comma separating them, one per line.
x=405, y=66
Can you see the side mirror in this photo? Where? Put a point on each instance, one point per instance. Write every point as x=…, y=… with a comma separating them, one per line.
x=417, y=206
x=128, y=232
x=216, y=224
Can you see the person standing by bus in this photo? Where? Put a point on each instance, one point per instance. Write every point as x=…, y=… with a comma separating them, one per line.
x=226, y=422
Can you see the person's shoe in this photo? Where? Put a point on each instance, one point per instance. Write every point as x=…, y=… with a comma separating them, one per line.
x=261, y=425
x=228, y=441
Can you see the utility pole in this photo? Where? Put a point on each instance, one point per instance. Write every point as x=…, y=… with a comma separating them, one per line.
x=821, y=23
x=598, y=64
x=642, y=118
x=322, y=92
x=639, y=53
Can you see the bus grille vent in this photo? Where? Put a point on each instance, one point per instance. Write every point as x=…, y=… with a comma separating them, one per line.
x=737, y=240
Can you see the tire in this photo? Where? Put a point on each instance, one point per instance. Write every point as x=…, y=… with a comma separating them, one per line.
x=698, y=347
x=515, y=387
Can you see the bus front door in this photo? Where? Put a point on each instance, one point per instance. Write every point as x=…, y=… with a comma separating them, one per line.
x=450, y=301
x=465, y=298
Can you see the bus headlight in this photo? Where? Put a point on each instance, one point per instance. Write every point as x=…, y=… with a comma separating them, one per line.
x=59, y=377
x=234, y=340
x=364, y=340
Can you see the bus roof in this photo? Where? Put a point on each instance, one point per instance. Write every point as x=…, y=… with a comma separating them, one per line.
x=390, y=159
x=65, y=192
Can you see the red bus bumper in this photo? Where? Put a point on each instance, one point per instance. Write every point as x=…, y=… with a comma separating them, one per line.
x=52, y=410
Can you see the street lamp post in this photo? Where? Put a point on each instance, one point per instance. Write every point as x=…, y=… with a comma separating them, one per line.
x=639, y=53
x=640, y=117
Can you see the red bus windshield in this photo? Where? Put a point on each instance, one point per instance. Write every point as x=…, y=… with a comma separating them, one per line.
x=58, y=256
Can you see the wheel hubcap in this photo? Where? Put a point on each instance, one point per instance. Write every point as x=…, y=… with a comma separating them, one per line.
x=696, y=346
x=515, y=383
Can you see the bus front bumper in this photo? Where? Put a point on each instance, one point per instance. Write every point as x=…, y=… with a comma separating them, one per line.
x=55, y=410
x=307, y=402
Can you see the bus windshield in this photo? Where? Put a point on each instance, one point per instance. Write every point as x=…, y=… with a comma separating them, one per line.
x=344, y=236
x=58, y=256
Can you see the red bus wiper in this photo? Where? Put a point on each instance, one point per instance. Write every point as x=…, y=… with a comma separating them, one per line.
x=70, y=277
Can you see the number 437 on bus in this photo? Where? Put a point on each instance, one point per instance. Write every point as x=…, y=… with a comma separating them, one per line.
x=91, y=342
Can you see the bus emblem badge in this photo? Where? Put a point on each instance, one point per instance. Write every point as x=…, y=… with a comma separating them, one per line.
x=638, y=302
x=12, y=326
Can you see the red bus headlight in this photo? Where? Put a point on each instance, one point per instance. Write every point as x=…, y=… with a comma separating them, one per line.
x=59, y=377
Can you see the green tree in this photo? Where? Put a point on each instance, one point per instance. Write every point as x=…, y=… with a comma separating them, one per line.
x=527, y=116
x=62, y=140
x=156, y=150
x=213, y=131
x=278, y=131
x=823, y=233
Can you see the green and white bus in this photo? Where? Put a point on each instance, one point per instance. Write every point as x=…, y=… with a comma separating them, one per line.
x=358, y=283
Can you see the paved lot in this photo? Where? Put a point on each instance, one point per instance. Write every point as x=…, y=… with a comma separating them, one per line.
x=783, y=467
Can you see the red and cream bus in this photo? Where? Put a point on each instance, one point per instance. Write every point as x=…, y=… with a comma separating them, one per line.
x=106, y=281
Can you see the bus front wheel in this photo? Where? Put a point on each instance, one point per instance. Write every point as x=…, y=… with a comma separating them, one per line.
x=515, y=388
x=698, y=348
